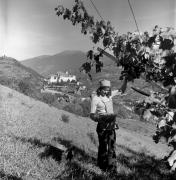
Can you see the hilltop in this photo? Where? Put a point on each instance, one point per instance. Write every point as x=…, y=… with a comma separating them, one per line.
x=31, y=131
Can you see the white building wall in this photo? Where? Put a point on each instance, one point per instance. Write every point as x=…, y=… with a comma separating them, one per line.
x=53, y=79
x=65, y=78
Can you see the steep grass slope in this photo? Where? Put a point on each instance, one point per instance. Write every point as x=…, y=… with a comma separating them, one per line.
x=30, y=131
x=16, y=76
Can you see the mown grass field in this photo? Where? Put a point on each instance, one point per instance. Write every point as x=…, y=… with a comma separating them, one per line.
x=30, y=131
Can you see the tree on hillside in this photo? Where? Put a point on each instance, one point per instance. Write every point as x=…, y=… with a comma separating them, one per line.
x=151, y=56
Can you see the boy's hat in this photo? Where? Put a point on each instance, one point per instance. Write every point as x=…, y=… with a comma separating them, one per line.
x=105, y=83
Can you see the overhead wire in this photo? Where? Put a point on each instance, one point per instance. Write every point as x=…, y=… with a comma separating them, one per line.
x=98, y=12
x=131, y=8
x=134, y=16
x=96, y=9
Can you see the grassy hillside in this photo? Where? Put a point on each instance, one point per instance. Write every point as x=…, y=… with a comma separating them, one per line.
x=16, y=76
x=25, y=80
x=31, y=130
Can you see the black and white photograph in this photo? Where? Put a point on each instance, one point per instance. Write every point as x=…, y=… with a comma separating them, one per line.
x=88, y=89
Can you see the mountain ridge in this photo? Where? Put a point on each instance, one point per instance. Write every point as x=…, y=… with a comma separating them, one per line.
x=50, y=64
x=70, y=60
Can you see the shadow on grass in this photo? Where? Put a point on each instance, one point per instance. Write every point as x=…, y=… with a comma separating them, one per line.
x=55, y=152
x=33, y=141
x=8, y=176
x=77, y=152
x=74, y=170
x=131, y=165
x=49, y=151
x=141, y=166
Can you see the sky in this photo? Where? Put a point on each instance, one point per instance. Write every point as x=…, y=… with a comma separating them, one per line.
x=30, y=28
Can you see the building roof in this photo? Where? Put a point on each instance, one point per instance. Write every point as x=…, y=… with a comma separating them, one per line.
x=64, y=74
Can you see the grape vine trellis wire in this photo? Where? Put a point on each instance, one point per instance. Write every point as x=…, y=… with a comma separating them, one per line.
x=98, y=12
x=134, y=17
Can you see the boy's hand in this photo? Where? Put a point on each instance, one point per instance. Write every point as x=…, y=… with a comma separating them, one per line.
x=94, y=117
x=122, y=93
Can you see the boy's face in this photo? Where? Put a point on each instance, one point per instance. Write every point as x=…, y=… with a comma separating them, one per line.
x=105, y=91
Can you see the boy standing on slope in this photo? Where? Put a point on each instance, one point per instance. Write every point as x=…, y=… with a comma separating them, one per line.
x=102, y=112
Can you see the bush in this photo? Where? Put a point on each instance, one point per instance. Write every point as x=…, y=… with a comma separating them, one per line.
x=73, y=81
x=65, y=118
x=10, y=95
x=79, y=108
x=122, y=113
x=85, y=108
x=48, y=98
x=24, y=87
x=74, y=108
